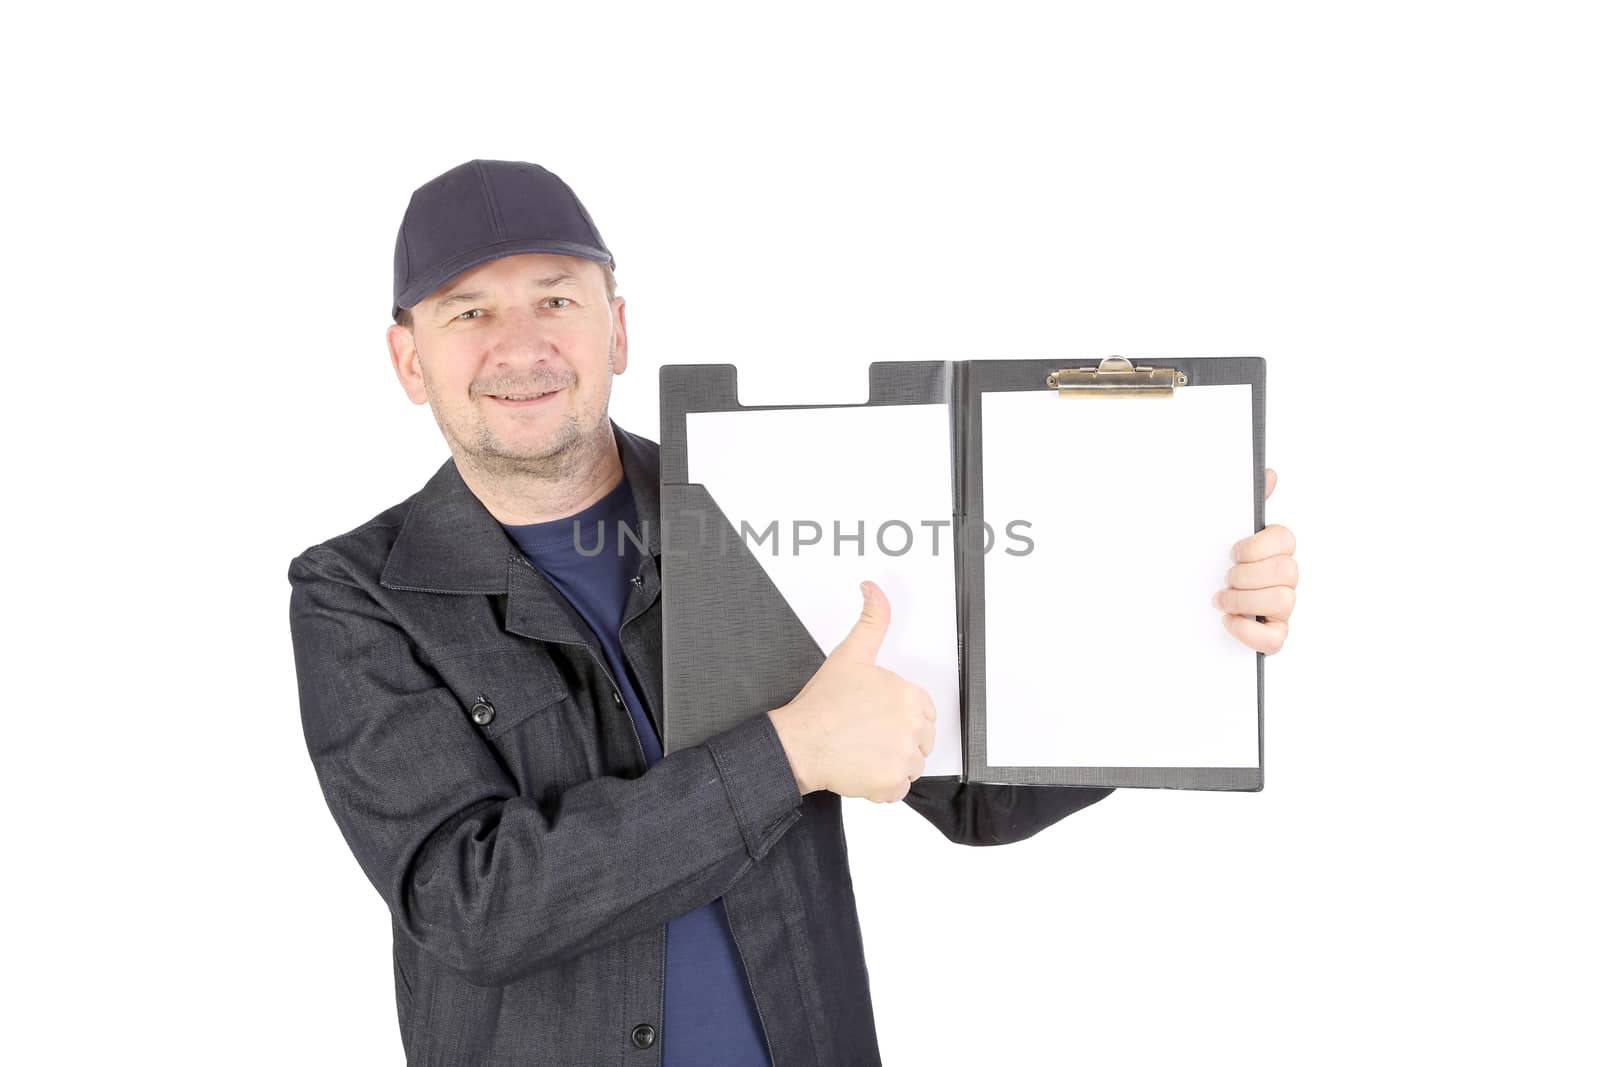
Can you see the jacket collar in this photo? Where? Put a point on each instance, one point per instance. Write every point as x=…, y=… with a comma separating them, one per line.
x=450, y=543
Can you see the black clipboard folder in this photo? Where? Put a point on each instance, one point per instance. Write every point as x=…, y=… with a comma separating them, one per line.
x=733, y=647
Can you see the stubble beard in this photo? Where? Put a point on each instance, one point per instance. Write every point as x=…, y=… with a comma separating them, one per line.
x=570, y=450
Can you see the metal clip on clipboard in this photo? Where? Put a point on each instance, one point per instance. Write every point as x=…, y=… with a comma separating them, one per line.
x=1115, y=376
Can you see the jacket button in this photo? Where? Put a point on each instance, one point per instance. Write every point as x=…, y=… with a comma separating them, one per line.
x=643, y=1036
x=483, y=712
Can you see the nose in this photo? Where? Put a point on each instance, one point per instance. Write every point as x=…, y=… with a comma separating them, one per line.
x=521, y=336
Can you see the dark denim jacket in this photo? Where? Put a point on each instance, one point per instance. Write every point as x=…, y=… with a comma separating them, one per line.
x=475, y=755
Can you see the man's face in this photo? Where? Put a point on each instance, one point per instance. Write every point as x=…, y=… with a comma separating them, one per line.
x=515, y=327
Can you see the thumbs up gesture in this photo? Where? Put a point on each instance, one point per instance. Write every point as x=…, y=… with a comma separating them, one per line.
x=858, y=729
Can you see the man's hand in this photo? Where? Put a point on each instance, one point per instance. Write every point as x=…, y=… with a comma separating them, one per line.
x=858, y=729
x=1261, y=582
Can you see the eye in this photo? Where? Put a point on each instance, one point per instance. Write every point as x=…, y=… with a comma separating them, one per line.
x=470, y=314
x=565, y=300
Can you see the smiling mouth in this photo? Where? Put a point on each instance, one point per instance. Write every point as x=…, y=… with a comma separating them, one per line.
x=521, y=398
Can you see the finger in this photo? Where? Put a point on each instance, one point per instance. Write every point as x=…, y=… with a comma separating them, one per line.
x=1265, y=637
x=1275, y=602
x=1272, y=482
x=1273, y=540
x=894, y=795
x=866, y=636
x=1274, y=570
x=925, y=738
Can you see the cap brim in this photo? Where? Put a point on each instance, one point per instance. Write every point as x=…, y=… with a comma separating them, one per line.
x=424, y=284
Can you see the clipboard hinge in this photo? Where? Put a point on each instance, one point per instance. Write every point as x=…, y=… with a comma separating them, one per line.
x=1115, y=376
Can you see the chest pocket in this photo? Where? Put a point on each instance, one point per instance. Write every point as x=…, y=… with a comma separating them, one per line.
x=519, y=701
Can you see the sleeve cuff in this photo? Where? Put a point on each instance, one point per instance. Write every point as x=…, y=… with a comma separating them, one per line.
x=759, y=781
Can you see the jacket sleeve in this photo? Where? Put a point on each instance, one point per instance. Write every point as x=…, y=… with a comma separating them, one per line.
x=491, y=882
x=985, y=813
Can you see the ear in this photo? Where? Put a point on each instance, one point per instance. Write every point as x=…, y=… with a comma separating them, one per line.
x=407, y=364
x=619, y=323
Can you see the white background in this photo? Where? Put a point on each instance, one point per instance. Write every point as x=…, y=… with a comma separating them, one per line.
x=1394, y=203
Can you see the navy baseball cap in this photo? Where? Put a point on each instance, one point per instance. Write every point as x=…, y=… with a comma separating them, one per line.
x=482, y=210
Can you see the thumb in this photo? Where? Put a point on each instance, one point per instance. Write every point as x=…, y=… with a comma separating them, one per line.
x=866, y=636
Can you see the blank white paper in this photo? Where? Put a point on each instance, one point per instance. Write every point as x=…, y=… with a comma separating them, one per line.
x=1102, y=647
x=881, y=471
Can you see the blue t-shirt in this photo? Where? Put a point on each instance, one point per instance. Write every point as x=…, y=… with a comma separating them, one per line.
x=710, y=1018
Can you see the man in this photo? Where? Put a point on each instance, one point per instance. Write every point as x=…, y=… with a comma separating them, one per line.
x=482, y=702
